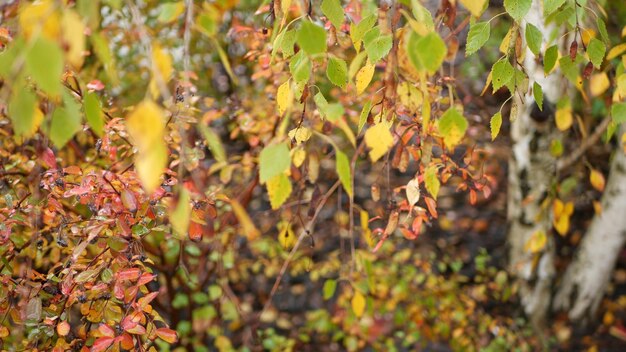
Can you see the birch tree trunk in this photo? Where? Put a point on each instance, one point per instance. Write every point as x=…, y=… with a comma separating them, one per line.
x=585, y=280
x=531, y=173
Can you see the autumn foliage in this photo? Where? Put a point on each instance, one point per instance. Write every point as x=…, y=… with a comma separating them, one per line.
x=165, y=167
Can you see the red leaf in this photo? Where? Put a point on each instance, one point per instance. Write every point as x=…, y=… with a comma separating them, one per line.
x=145, y=278
x=102, y=344
x=129, y=323
x=167, y=335
x=129, y=274
x=48, y=158
x=106, y=330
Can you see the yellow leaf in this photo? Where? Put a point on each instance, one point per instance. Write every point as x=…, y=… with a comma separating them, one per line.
x=162, y=69
x=367, y=233
x=597, y=180
x=536, y=242
x=150, y=165
x=40, y=17
x=249, y=230
x=364, y=77
x=504, y=45
x=300, y=134
x=409, y=96
x=564, y=118
x=475, y=7
x=298, y=156
x=179, y=218
x=561, y=224
x=587, y=34
x=598, y=84
x=286, y=236
x=379, y=140
x=36, y=122
x=278, y=189
x=621, y=87
x=283, y=97
x=616, y=51
x=146, y=125
x=74, y=34
x=557, y=208
x=358, y=304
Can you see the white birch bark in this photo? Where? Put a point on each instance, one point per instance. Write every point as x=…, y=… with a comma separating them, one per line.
x=531, y=173
x=585, y=280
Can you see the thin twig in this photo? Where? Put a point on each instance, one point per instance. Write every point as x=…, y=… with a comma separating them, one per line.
x=305, y=232
x=564, y=163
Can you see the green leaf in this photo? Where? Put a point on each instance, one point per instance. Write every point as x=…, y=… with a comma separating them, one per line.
x=278, y=189
x=519, y=81
x=533, y=38
x=334, y=12
x=170, y=11
x=22, y=111
x=337, y=72
x=9, y=55
x=93, y=113
x=618, y=112
x=65, y=121
x=376, y=44
x=213, y=142
x=517, y=8
x=343, y=170
x=322, y=103
x=427, y=52
x=501, y=73
x=452, y=127
x=287, y=43
x=596, y=50
x=179, y=218
x=300, y=67
x=330, y=286
x=431, y=181
x=538, y=94
x=357, y=31
x=495, y=124
x=422, y=15
x=549, y=6
x=334, y=111
x=602, y=30
x=365, y=112
x=311, y=38
x=549, y=59
x=44, y=62
x=477, y=37
x=274, y=160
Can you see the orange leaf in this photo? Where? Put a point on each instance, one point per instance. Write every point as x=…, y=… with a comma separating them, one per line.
x=432, y=206
x=102, y=344
x=129, y=274
x=167, y=335
x=63, y=328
